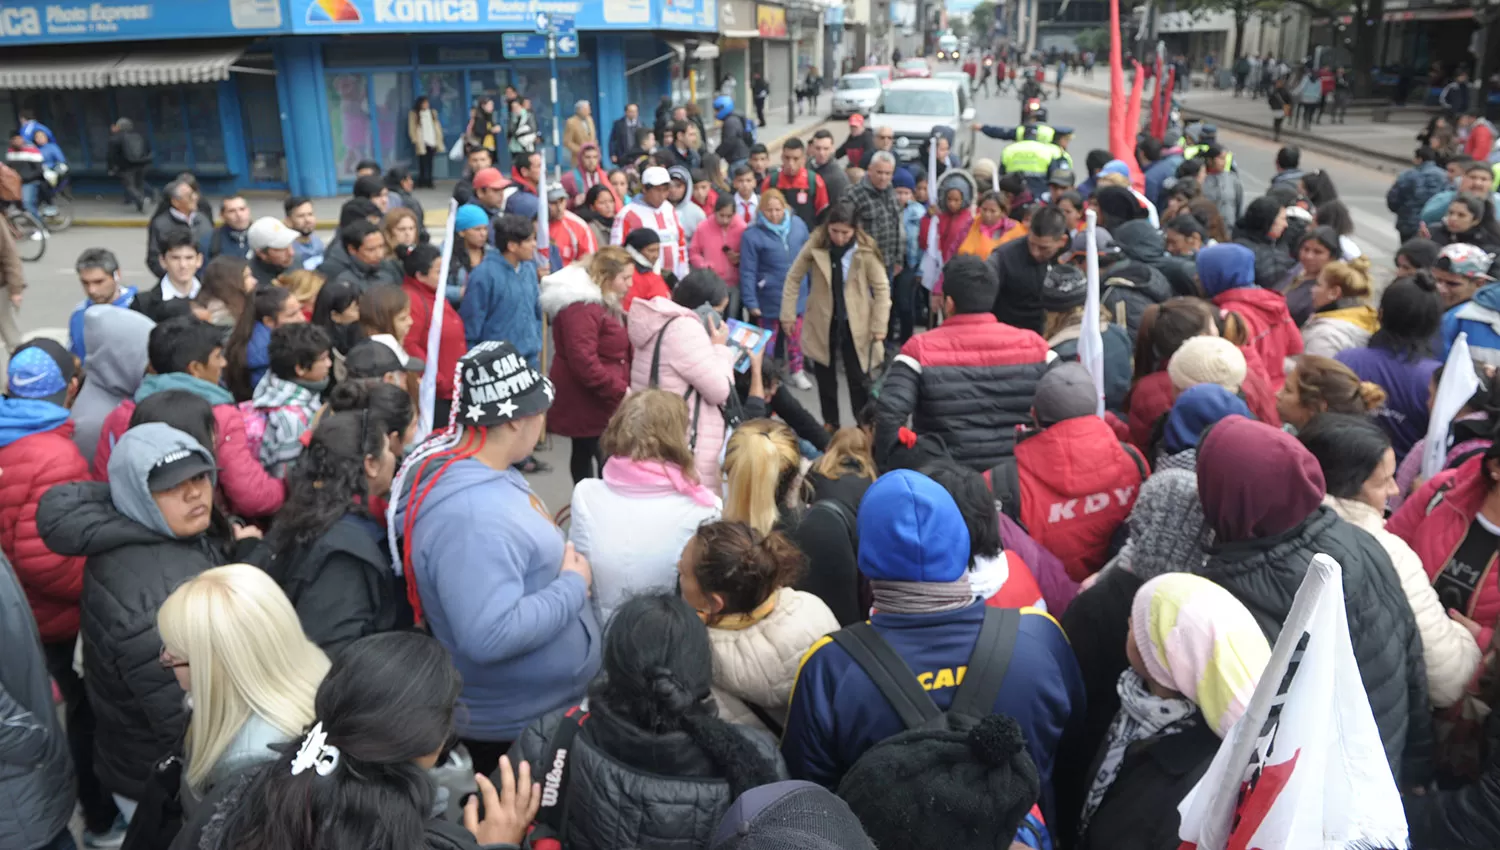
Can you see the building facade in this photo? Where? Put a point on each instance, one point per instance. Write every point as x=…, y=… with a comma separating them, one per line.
x=291, y=94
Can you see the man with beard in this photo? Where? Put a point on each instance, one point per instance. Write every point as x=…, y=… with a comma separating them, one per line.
x=307, y=250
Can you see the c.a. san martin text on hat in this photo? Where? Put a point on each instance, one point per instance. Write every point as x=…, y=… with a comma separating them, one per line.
x=494, y=373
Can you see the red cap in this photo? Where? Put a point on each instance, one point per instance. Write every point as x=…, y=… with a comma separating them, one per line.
x=488, y=178
x=856, y=120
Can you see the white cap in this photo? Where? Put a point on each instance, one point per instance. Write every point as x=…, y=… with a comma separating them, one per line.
x=655, y=176
x=268, y=232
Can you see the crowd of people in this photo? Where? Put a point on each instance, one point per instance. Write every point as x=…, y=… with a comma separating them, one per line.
x=955, y=604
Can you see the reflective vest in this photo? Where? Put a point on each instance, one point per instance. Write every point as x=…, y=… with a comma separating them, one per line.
x=1190, y=151
x=1065, y=157
x=1039, y=132
x=1495, y=170
x=1029, y=157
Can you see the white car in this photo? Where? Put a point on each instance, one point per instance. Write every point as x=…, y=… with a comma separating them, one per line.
x=912, y=108
x=855, y=94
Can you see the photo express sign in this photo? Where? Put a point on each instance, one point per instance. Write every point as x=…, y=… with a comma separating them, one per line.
x=62, y=21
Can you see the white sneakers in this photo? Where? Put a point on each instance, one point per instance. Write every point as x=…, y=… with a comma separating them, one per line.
x=800, y=381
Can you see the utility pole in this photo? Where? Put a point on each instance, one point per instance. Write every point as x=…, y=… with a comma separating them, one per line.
x=556, y=116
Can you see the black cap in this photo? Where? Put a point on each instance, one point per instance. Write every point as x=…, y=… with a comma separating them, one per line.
x=790, y=815
x=498, y=385
x=177, y=467
x=370, y=359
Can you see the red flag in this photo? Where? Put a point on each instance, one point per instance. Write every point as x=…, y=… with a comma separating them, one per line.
x=1160, y=131
x=1124, y=116
x=1156, y=109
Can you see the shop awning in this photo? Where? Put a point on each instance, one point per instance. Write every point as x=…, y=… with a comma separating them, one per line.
x=705, y=50
x=163, y=66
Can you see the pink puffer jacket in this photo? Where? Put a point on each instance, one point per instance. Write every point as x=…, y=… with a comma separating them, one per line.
x=689, y=360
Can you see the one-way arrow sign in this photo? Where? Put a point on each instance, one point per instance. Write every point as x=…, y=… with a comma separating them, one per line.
x=567, y=46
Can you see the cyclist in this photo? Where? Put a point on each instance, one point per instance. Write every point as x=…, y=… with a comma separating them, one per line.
x=54, y=166
x=27, y=161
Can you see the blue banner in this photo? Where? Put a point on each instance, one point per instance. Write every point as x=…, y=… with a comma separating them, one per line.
x=418, y=16
x=31, y=22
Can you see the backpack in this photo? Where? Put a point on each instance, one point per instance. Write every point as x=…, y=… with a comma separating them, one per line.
x=750, y=134
x=975, y=699
x=1004, y=479
x=10, y=185
x=549, y=829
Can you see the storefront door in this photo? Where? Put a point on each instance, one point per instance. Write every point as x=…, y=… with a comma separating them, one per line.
x=368, y=115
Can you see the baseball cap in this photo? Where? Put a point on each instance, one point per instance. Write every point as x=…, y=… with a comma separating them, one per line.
x=557, y=193
x=1465, y=259
x=371, y=358
x=176, y=467
x=41, y=370
x=856, y=120
x=1061, y=177
x=655, y=176
x=271, y=233
x=488, y=178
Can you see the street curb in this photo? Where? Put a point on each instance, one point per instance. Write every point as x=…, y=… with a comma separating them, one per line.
x=1382, y=161
x=438, y=218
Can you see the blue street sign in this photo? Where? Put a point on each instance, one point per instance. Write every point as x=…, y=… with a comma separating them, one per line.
x=543, y=21
x=564, y=24
x=530, y=45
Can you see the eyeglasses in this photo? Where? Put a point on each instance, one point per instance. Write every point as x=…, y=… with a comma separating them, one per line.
x=168, y=661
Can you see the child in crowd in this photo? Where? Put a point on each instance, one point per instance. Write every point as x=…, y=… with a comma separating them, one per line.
x=288, y=398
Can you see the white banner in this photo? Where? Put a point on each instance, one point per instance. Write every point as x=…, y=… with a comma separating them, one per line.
x=1091, y=341
x=427, y=389
x=1458, y=385
x=932, y=259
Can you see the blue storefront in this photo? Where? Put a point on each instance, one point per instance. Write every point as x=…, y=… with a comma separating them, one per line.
x=290, y=94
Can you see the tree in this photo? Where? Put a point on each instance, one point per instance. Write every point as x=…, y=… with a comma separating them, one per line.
x=1095, y=40
x=959, y=26
x=982, y=21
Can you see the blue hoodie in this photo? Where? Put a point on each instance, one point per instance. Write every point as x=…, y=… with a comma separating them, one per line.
x=500, y=303
x=910, y=527
x=1224, y=267
x=75, y=321
x=1196, y=408
x=487, y=560
x=22, y=417
x=1480, y=319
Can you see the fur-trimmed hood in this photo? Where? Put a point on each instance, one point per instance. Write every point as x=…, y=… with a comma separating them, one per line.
x=568, y=286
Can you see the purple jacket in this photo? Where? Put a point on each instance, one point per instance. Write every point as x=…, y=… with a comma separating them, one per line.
x=1404, y=414
x=1057, y=589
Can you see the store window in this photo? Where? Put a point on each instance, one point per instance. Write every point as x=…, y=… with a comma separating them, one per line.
x=444, y=90
x=259, y=115
x=181, y=123
x=349, y=53
x=392, y=101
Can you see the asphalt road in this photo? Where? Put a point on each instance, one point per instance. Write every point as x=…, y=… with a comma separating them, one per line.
x=54, y=292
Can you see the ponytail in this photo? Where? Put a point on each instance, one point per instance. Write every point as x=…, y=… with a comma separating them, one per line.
x=761, y=463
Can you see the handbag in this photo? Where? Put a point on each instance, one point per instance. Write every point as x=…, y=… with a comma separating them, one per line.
x=158, y=816
x=456, y=153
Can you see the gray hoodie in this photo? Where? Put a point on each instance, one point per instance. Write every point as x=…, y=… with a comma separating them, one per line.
x=115, y=340
x=140, y=449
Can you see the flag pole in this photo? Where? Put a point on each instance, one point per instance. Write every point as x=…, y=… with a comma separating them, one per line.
x=427, y=388
x=1091, y=340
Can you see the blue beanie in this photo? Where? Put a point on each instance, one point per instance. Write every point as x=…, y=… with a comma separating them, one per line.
x=910, y=529
x=1196, y=408
x=1116, y=166
x=1224, y=267
x=470, y=215
x=904, y=180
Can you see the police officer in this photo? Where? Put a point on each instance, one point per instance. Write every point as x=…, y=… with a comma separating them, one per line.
x=1207, y=136
x=1032, y=159
x=1030, y=130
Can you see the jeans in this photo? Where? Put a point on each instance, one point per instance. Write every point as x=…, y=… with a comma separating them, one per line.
x=29, y=193
x=760, y=112
x=424, y=169
x=903, y=305
x=840, y=345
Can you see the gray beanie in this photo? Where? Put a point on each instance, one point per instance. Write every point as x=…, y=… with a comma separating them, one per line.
x=1167, y=531
x=1067, y=391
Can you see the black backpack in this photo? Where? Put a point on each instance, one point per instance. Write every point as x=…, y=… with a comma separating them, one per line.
x=976, y=695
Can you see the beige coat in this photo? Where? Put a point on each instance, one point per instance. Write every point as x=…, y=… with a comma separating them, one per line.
x=758, y=663
x=1449, y=649
x=867, y=295
x=414, y=132
x=577, y=132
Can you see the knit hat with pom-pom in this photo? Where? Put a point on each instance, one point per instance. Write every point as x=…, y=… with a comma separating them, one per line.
x=944, y=788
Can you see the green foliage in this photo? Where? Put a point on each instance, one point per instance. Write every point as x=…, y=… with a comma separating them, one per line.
x=1095, y=39
x=982, y=20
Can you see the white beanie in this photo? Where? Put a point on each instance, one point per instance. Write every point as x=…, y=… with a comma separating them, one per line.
x=1207, y=360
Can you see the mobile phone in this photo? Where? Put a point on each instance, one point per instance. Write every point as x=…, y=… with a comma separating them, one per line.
x=710, y=316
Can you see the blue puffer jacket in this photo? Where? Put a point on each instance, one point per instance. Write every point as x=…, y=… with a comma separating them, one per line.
x=1411, y=191
x=1480, y=319
x=500, y=302
x=764, y=263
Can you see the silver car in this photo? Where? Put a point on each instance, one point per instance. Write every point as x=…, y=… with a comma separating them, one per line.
x=912, y=108
x=855, y=93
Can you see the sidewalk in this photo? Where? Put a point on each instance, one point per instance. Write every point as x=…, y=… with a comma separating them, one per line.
x=110, y=210
x=1384, y=145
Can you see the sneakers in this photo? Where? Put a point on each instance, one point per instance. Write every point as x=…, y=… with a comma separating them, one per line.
x=799, y=380
x=106, y=840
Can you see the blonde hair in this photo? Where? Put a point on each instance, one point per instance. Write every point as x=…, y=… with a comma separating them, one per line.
x=388, y=226
x=1324, y=384
x=761, y=463
x=248, y=654
x=1352, y=277
x=605, y=266
x=1112, y=179
x=302, y=283
x=772, y=195
x=651, y=425
x=849, y=449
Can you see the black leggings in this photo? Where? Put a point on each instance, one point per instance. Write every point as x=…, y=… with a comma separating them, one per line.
x=586, y=460
x=840, y=345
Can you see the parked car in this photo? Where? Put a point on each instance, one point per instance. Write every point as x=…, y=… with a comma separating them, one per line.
x=881, y=72
x=913, y=107
x=913, y=68
x=855, y=93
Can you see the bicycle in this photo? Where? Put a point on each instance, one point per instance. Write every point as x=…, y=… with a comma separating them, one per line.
x=28, y=231
x=56, y=207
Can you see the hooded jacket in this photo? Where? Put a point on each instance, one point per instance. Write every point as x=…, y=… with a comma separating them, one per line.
x=134, y=562
x=36, y=773
x=1145, y=244
x=591, y=369
x=969, y=381
x=1272, y=262
x=634, y=787
x=711, y=246
x=116, y=343
x=1128, y=288
x=1078, y=484
x=1413, y=188
x=248, y=489
x=500, y=303
x=1329, y=332
x=691, y=365
x=1479, y=317
x=764, y=262
x=1019, y=303
x=36, y=454
x=341, y=584
x=1152, y=398
x=1229, y=274
x=756, y=657
x=1262, y=493
x=76, y=337
x=494, y=595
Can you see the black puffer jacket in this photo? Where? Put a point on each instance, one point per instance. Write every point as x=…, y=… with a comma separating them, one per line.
x=1466, y=818
x=131, y=568
x=342, y=585
x=632, y=788
x=1272, y=263
x=1021, y=278
x=1128, y=288
x=1145, y=244
x=362, y=276
x=1264, y=574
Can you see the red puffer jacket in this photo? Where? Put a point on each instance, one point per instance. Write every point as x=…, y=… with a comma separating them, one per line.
x=1152, y=398
x=591, y=371
x=33, y=465
x=1078, y=483
x=1272, y=336
x=1434, y=521
x=248, y=490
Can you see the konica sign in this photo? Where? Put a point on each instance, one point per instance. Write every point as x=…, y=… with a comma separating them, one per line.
x=26, y=22
x=410, y=16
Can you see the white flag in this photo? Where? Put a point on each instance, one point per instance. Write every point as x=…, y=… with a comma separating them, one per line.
x=543, y=228
x=427, y=389
x=1091, y=341
x=932, y=260
x=1304, y=768
x=1458, y=385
